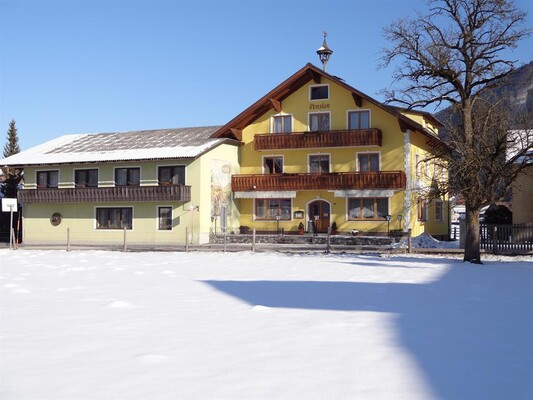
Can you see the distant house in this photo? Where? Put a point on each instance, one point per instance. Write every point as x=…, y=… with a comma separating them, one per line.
x=158, y=185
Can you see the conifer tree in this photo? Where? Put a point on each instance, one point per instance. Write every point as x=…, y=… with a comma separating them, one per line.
x=13, y=176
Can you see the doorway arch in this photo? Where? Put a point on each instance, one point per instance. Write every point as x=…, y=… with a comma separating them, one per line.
x=319, y=212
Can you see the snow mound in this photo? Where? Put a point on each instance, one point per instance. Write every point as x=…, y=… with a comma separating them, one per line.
x=426, y=241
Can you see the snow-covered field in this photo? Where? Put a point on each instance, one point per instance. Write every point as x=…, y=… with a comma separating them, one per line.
x=121, y=326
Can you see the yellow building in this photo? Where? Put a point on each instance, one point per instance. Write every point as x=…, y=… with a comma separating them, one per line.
x=313, y=153
x=319, y=153
x=159, y=187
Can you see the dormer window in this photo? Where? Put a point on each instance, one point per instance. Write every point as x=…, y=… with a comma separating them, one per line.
x=319, y=92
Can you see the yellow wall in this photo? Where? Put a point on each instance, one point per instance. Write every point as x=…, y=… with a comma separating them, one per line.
x=392, y=158
x=193, y=216
x=342, y=159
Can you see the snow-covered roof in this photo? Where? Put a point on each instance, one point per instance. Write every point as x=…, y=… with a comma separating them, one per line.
x=119, y=146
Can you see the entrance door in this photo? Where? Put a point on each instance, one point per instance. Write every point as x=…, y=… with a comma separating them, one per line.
x=319, y=213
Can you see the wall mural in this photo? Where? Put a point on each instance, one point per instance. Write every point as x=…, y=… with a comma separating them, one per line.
x=220, y=187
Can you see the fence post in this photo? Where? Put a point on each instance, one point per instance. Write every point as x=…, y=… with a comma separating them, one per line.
x=186, y=239
x=253, y=240
x=409, y=240
x=68, y=239
x=494, y=240
x=125, y=245
x=328, y=240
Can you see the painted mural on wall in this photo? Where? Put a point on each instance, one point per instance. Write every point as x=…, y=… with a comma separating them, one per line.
x=220, y=187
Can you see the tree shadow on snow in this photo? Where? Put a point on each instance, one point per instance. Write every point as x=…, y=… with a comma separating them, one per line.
x=471, y=331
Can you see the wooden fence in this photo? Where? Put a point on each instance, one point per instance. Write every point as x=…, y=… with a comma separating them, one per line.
x=507, y=238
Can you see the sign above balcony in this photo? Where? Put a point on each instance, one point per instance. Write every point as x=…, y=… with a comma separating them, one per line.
x=285, y=194
x=363, y=193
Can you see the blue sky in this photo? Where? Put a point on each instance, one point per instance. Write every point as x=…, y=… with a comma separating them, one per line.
x=87, y=66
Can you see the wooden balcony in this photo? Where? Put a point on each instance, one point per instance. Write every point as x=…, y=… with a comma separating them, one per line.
x=331, y=181
x=106, y=194
x=311, y=140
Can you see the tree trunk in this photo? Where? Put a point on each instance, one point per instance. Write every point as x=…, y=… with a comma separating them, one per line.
x=472, y=240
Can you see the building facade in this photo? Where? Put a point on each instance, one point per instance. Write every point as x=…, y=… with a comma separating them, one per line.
x=314, y=152
x=318, y=152
x=156, y=187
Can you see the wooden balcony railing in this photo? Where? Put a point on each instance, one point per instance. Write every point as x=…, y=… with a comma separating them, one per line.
x=106, y=194
x=330, y=181
x=307, y=140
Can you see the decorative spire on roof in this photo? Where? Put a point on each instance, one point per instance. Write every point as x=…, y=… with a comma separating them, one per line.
x=324, y=52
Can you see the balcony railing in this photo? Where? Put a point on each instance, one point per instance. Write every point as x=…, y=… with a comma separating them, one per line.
x=106, y=194
x=329, y=181
x=308, y=140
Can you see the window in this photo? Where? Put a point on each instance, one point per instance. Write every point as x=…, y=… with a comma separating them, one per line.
x=422, y=210
x=319, y=164
x=282, y=124
x=319, y=122
x=172, y=175
x=86, y=178
x=273, y=165
x=164, y=218
x=359, y=119
x=127, y=176
x=114, y=218
x=367, y=208
x=319, y=92
x=47, y=179
x=368, y=162
x=268, y=209
x=439, y=211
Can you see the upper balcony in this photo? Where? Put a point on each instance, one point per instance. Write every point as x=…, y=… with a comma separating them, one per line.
x=106, y=194
x=330, y=181
x=311, y=140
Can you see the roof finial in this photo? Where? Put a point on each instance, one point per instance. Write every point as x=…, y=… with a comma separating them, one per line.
x=324, y=52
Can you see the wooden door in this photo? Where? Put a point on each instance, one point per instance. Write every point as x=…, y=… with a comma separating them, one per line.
x=319, y=213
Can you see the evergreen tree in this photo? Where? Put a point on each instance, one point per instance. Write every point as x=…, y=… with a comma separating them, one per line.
x=12, y=145
x=13, y=176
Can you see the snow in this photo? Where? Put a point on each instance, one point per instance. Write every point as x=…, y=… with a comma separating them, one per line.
x=41, y=155
x=169, y=325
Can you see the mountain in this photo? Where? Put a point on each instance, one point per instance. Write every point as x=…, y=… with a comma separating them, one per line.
x=517, y=89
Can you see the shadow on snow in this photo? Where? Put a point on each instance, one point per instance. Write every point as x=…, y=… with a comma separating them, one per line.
x=471, y=331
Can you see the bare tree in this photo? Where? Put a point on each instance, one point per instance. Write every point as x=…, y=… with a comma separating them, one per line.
x=455, y=55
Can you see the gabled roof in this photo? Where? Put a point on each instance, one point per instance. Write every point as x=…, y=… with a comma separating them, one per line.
x=273, y=99
x=120, y=146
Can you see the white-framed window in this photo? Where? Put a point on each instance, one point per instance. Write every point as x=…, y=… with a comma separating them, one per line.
x=319, y=163
x=127, y=176
x=439, y=211
x=114, y=218
x=47, y=179
x=272, y=164
x=171, y=175
x=281, y=124
x=86, y=177
x=319, y=122
x=367, y=208
x=319, y=92
x=358, y=119
x=164, y=218
x=368, y=162
x=269, y=209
